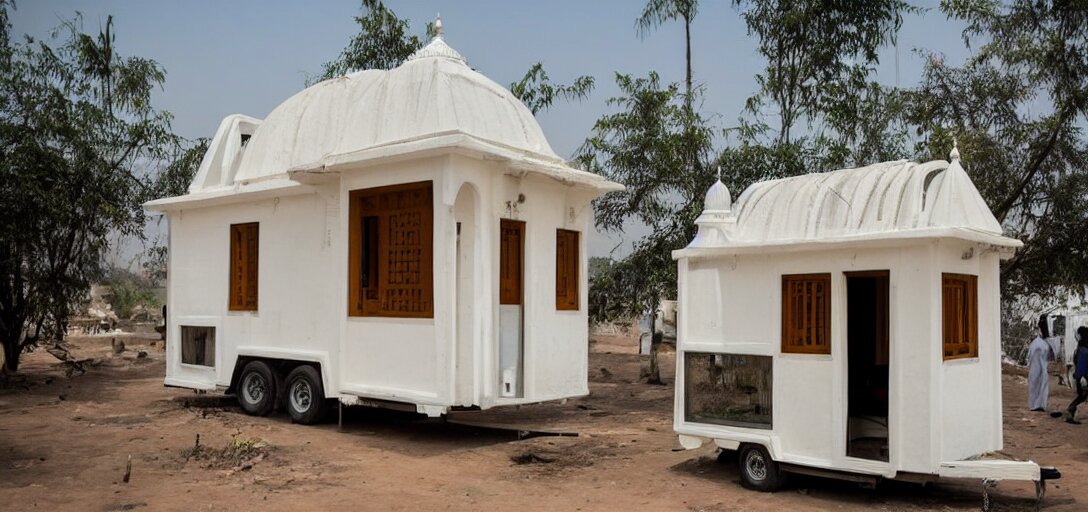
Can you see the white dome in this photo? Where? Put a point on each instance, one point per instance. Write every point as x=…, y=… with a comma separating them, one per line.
x=874, y=201
x=433, y=93
x=718, y=198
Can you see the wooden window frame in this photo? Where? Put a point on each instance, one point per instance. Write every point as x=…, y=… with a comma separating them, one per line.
x=243, y=287
x=821, y=334
x=370, y=226
x=959, y=316
x=567, y=259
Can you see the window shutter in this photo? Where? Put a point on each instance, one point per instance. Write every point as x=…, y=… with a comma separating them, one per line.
x=512, y=234
x=244, y=251
x=390, y=256
x=959, y=316
x=566, y=270
x=806, y=314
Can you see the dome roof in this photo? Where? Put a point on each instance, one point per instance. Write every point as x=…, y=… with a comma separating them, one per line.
x=718, y=198
x=887, y=200
x=432, y=93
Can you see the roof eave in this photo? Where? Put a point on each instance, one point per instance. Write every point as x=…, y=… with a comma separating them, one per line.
x=226, y=195
x=466, y=144
x=1005, y=246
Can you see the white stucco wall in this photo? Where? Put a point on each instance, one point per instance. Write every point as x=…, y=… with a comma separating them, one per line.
x=556, y=342
x=732, y=304
x=303, y=288
x=971, y=397
x=291, y=242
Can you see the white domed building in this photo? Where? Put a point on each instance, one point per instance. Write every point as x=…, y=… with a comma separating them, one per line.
x=846, y=323
x=398, y=236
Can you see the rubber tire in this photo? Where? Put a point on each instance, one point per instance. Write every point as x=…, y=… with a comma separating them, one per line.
x=264, y=406
x=773, y=477
x=305, y=375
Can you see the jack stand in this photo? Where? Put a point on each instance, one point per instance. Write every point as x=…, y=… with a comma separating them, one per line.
x=987, y=484
x=1040, y=493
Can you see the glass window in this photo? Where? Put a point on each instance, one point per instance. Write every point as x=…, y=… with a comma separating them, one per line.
x=727, y=389
x=198, y=345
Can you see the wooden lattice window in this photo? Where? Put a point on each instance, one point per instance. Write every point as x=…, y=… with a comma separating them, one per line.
x=390, y=254
x=806, y=314
x=566, y=270
x=959, y=316
x=243, y=266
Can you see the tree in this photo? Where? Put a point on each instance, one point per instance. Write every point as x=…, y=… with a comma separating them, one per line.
x=657, y=13
x=538, y=93
x=646, y=145
x=819, y=53
x=1019, y=106
x=77, y=135
x=383, y=42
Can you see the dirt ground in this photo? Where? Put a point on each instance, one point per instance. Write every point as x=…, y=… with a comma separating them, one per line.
x=65, y=442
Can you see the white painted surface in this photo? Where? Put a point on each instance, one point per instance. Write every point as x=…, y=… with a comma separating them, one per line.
x=510, y=349
x=432, y=119
x=881, y=217
x=992, y=469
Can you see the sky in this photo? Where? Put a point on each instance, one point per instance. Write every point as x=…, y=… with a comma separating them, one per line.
x=248, y=56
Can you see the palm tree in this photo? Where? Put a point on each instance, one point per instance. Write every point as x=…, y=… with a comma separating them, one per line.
x=657, y=12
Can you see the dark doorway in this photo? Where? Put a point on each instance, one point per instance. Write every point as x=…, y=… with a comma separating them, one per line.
x=867, y=358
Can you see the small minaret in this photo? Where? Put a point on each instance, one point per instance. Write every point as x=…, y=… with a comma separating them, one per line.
x=437, y=47
x=717, y=220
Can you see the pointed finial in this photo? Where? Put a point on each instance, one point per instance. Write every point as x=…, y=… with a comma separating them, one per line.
x=438, y=25
x=955, y=154
x=719, y=173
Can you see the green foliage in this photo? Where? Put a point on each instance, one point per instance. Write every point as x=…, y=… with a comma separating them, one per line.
x=1019, y=107
x=77, y=135
x=819, y=54
x=538, y=93
x=383, y=42
x=659, y=149
x=128, y=290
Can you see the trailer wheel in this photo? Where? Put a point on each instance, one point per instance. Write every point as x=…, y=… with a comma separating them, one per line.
x=257, y=389
x=305, y=399
x=758, y=471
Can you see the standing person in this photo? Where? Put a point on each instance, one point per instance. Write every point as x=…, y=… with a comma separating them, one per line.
x=1080, y=360
x=1039, y=355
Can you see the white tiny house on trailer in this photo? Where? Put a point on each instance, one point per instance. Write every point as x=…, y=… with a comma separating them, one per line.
x=846, y=321
x=406, y=236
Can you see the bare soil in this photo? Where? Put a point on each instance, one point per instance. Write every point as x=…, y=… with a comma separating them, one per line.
x=65, y=443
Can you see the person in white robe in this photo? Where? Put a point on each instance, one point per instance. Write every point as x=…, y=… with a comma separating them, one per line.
x=1040, y=354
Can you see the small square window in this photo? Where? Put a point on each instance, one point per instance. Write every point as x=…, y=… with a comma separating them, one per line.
x=198, y=345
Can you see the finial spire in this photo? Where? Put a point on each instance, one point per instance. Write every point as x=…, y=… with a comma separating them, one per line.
x=955, y=154
x=438, y=25
x=719, y=173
